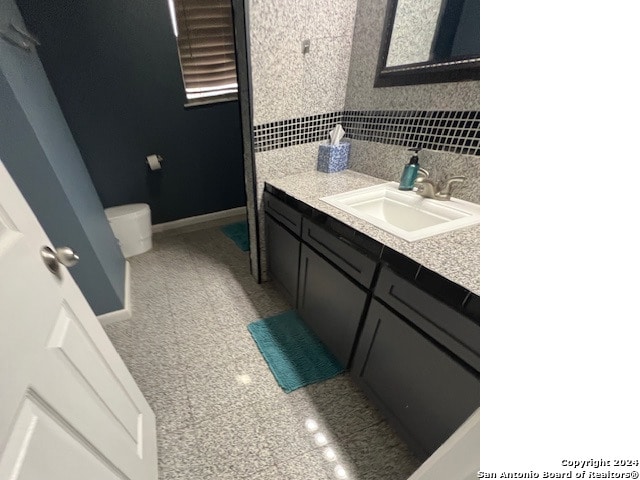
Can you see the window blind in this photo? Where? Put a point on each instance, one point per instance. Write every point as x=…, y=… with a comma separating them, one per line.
x=206, y=47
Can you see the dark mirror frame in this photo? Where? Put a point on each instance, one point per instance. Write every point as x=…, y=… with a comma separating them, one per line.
x=457, y=70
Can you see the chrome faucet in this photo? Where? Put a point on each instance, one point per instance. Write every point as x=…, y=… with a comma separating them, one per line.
x=428, y=189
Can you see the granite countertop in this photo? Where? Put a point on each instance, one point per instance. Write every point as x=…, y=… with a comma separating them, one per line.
x=454, y=255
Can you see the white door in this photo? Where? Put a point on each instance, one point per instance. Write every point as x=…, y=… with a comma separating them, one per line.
x=69, y=408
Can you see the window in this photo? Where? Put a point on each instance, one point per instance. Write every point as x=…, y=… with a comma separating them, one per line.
x=206, y=47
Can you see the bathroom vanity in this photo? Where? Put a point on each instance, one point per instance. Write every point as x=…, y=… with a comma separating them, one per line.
x=403, y=317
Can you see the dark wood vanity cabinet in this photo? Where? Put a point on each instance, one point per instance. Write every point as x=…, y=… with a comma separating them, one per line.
x=282, y=227
x=282, y=258
x=459, y=332
x=425, y=392
x=418, y=360
x=330, y=303
x=333, y=288
x=411, y=341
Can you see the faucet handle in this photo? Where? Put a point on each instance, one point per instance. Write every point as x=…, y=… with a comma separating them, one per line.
x=448, y=184
x=423, y=172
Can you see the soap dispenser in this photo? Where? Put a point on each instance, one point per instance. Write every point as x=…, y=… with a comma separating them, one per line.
x=410, y=171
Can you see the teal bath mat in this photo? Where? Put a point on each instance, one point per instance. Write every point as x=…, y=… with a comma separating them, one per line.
x=294, y=354
x=239, y=233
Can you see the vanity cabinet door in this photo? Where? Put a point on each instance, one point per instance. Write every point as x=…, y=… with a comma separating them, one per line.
x=329, y=303
x=423, y=390
x=338, y=251
x=458, y=333
x=283, y=254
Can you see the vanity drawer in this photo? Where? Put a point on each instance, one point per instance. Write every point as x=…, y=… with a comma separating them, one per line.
x=282, y=212
x=337, y=249
x=461, y=335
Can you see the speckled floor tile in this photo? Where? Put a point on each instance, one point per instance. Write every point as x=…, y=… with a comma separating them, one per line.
x=150, y=302
x=193, y=303
x=338, y=407
x=209, y=336
x=192, y=472
x=255, y=307
x=375, y=453
x=313, y=465
x=122, y=338
x=283, y=429
x=180, y=450
x=216, y=387
x=172, y=409
x=270, y=473
x=232, y=443
x=157, y=370
x=314, y=418
x=154, y=328
x=220, y=412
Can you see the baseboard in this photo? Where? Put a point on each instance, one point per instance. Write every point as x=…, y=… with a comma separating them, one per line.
x=125, y=313
x=208, y=217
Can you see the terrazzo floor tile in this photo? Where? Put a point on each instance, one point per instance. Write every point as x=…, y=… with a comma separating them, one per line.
x=150, y=309
x=375, y=453
x=180, y=450
x=282, y=428
x=194, y=303
x=192, y=472
x=206, y=337
x=270, y=473
x=122, y=338
x=233, y=445
x=313, y=465
x=157, y=370
x=337, y=407
x=220, y=413
x=231, y=341
x=172, y=409
x=216, y=388
x=264, y=304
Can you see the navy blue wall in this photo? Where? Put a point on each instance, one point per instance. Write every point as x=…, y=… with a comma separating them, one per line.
x=114, y=68
x=38, y=150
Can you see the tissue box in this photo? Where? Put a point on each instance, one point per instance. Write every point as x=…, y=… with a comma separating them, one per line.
x=333, y=158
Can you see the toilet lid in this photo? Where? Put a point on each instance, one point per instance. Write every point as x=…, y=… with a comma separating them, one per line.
x=133, y=209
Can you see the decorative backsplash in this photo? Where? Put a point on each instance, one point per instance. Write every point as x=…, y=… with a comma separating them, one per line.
x=294, y=131
x=452, y=131
x=449, y=131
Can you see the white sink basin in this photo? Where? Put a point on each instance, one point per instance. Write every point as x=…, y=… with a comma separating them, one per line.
x=405, y=213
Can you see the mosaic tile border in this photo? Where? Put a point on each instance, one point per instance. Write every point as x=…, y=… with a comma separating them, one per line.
x=294, y=131
x=451, y=131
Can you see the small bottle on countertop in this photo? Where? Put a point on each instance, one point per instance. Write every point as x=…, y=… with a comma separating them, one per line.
x=410, y=171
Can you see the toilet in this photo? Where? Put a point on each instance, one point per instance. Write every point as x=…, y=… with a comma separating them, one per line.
x=131, y=224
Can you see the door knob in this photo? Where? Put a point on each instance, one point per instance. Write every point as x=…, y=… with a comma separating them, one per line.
x=62, y=255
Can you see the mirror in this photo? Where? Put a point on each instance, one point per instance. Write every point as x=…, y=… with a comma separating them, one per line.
x=429, y=41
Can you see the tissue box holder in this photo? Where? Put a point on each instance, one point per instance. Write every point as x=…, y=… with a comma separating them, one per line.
x=333, y=158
